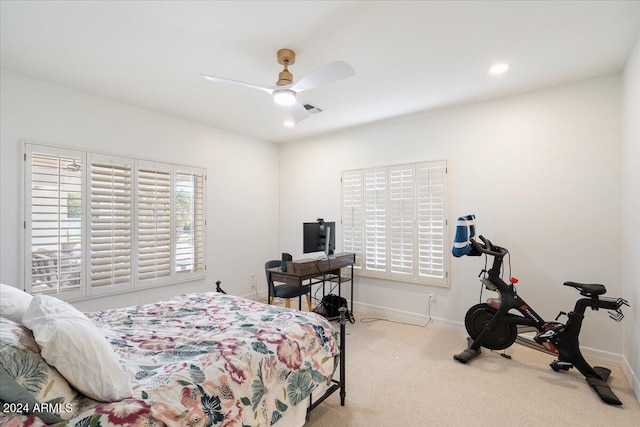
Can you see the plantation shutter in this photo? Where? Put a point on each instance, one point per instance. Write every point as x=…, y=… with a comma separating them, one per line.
x=96, y=224
x=375, y=194
x=432, y=214
x=190, y=223
x=110, y=223
x=402, y=221
x=352, y=214
x=54, y=221
x=400, y=213
x=153, y=201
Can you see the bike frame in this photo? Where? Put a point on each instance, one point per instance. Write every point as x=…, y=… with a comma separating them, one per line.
x=509, y=300
x=561, y=339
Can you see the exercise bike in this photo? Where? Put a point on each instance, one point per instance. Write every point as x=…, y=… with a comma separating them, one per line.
x=496, y=324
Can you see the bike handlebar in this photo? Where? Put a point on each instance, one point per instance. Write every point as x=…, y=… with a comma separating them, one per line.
x=488, y=248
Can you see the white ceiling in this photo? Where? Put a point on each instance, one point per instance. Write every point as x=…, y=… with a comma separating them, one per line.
x=409, y=57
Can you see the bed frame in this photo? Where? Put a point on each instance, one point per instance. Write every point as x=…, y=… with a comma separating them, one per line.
x=335, y=384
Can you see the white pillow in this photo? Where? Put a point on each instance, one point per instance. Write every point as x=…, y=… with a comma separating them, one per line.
x=75, y=346
x=13, y=303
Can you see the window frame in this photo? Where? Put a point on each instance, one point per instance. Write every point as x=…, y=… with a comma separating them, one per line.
x=86, y=290
x=373, y=203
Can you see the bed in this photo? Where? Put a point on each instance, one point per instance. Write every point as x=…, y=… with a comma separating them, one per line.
x=204, y=359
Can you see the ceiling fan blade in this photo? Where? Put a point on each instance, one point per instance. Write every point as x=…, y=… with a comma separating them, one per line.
x=266, y=89
x=298, y=112
x=329, y=73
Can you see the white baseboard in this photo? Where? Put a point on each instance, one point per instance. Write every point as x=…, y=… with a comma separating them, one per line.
x=632, y=376
x=595, y=355
x=261, y=296
x=364, y=310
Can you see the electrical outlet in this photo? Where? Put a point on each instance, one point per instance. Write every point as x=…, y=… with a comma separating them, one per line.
x=432, y=297
x=253, y=281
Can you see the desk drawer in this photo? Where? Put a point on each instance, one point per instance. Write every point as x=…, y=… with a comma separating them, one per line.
x=310, y=267
x=282, y=278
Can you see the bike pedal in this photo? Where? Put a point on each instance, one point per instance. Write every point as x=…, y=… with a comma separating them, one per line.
x=550, y=333
x=561, y=366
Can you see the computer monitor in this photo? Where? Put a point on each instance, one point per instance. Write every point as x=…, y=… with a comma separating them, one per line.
x=316, y=235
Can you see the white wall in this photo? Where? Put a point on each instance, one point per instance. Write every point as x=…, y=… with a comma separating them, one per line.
x=242, y=187
x=540, y=170
x=631, y=213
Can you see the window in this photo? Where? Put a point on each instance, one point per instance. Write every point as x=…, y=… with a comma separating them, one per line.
x=394, y=220
x=189, y=230
x=97, y=224
x=54, y=225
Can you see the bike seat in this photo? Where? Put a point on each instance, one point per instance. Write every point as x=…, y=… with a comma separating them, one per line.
x=589, y=290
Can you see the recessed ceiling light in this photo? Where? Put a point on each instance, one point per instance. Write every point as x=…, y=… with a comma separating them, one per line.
x=499, y=68
x=288, y=123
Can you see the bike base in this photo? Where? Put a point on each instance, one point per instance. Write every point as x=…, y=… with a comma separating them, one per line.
x=466, y=355
x=600, y=386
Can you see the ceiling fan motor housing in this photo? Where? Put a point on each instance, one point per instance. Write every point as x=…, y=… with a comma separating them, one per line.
x=284, y=78
x=286, y=57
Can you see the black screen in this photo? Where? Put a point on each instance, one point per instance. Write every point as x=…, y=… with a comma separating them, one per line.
x=315, y=236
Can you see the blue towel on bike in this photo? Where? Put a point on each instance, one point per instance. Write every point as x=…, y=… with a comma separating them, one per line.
x=465, y=230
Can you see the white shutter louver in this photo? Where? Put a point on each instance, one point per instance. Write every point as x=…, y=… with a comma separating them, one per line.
x=153, y=200
x=431, y=191
x=352, y=214
x=110, y=223
x=190, y=231
x=55, y=223
x=401, y=220
x=375, y=194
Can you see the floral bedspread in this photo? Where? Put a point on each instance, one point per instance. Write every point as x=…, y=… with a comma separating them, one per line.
x=212, y=359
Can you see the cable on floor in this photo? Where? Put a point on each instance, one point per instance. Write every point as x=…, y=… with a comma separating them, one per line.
x=381, y=319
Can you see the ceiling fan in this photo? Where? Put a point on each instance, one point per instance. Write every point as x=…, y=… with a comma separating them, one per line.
x=285, y=91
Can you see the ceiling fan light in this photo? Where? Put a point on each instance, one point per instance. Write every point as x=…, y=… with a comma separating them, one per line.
x=499, y=68
x=284, y=97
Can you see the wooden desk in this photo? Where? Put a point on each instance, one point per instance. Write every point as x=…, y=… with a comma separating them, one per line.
x=306, y=269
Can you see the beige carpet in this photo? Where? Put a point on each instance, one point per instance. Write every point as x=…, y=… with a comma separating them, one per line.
x=399, y=375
